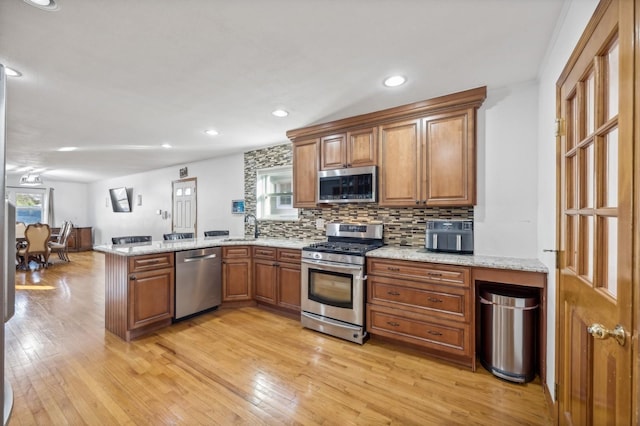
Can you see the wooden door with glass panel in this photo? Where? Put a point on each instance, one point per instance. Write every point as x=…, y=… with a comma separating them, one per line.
x=595, y=102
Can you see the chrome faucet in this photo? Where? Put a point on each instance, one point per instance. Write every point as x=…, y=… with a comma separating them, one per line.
x=255, y=223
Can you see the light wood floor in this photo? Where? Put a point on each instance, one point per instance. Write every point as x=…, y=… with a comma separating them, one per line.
x=232, y=366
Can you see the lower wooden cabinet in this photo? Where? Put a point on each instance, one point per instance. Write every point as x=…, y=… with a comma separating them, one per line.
x=276, y=277
x=139, y=293
x=236, y=274
x=80, y=238
x=151, y=297
x=423, y=304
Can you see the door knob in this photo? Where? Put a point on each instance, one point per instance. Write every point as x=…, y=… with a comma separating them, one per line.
x=598, y=331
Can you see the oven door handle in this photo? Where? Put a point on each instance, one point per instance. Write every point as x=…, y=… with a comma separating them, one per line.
x=332, y=266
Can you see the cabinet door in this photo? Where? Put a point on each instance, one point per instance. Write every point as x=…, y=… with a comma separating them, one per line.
x=84, y=239
x=399, y=164
x=150, y=297
x=362, y=147
x=289, y=286
x=264, y=280
x=72, y=240
x=236, y=279
x=450, y=159
x=333, y=152
x=305, y=173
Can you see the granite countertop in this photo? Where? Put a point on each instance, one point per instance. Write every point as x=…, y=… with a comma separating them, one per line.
x=496, y=262
x=387, y=252
x=153, y=247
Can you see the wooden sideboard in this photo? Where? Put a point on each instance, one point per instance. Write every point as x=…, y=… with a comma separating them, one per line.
x=80, y=239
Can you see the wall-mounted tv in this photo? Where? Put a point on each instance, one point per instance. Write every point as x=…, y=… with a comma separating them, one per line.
x=120, y=199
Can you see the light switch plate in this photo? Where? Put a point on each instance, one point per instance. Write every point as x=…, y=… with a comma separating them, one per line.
x=319, y=223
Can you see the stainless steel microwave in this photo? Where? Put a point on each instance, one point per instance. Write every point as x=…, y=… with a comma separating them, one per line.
x=351, y=185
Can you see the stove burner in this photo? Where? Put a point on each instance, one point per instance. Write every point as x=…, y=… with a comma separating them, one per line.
x=342, y=247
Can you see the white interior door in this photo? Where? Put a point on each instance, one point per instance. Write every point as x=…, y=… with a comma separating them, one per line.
x=184, y=206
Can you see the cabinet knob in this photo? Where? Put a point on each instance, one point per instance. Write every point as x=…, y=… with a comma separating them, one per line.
x=417, y=201
x=132, y=277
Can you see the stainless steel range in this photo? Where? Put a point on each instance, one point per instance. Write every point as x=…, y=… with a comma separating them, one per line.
x=334, y=280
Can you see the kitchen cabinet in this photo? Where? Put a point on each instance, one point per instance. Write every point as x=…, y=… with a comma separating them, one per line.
x=139, y=292
x=449, y=159
x=400, y=165
x=427, y=305
x=236, y=274
x=429, y=161
x=276, y=274
x=80, y=238
x=425, y=151
x=357, y=148
x=305, y=173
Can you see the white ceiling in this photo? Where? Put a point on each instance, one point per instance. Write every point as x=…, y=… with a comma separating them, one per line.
x=118, y=79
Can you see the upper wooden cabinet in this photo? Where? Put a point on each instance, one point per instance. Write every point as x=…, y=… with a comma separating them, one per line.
x=450, y=159
x=400, y=165
x=429, y=161
x=426, y=151
x=357, y=148
x=305, y=173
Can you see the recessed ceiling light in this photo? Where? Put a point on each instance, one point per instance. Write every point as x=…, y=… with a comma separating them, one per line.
x=49, y=5
x=394, y=81
x=166, y=145
x=280, y=113
x=211, y=132
x=67, y=148
x=11, y=72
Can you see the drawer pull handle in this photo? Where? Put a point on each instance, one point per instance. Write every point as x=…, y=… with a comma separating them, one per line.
x=434, y=299
x=393, y=293
x=393, y=324
x=391, y=268
x=434, y=274
x=434, y=333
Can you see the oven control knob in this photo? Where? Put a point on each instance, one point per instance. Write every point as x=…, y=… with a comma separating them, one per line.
x=317, y=256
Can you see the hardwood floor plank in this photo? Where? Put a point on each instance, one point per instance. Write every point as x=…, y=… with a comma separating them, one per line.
x=232, y=366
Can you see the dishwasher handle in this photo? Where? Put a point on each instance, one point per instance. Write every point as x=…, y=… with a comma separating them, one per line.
x=199, y=258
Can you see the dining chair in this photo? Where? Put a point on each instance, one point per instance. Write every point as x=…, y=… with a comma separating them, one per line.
x=177, y=236
x=220, y=233
x=20, y=228
x=20, y=241
x=37, y=248
x=60, y=246
x=131, y=239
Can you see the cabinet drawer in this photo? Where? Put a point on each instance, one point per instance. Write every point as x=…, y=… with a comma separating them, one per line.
x=444, y=274
x=286, y=255
x=442, y=301
x=150, y=262
x=235, y=251
x=264, y=253
x=443, y=336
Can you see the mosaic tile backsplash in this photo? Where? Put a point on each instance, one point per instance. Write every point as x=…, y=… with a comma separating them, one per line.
x=402, y=226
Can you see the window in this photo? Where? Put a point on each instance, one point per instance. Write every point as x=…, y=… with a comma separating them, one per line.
x=29, y=205
x=274, y=194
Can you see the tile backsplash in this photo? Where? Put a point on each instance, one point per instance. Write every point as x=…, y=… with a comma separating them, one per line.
x=402, y=226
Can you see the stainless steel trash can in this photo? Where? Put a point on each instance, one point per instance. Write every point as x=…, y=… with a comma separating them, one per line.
x=508, y=333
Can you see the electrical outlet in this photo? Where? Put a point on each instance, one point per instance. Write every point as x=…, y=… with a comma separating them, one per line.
x=319, y=223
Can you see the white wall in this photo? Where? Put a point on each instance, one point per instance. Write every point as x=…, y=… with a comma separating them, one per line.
x=505, y=215
x=70, y=200
x=576, y=15
x=219, y=180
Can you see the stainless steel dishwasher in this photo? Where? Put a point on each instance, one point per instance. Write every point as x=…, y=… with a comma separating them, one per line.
x=198, y=281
